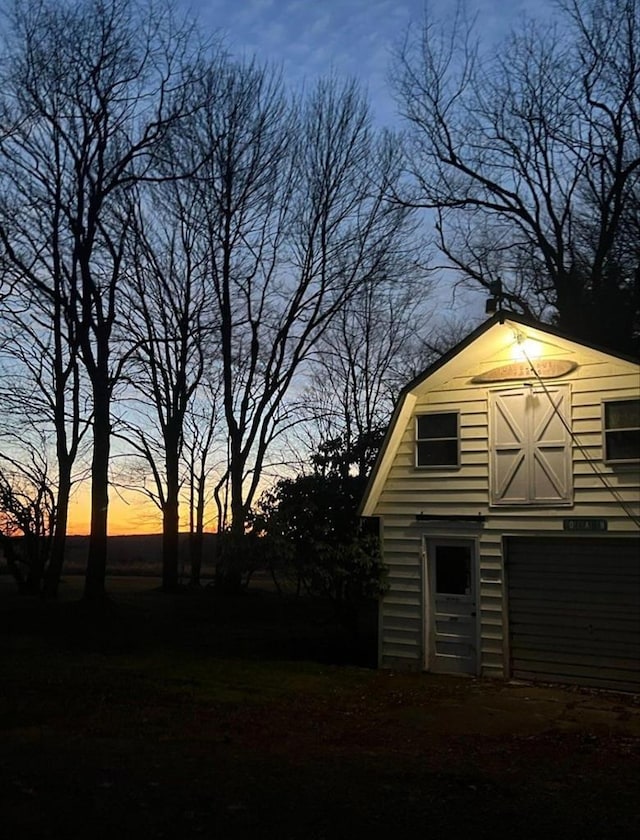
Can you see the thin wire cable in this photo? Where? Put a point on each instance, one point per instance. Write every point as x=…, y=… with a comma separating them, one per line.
x=629, y=512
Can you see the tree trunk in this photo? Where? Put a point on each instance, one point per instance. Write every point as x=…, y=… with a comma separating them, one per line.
x=237, y=506
x=170, y=547
x=170, y=516
x=229, y=569
x=54, y=570
x=197, y=535
x=94, y=588
x=228, y=575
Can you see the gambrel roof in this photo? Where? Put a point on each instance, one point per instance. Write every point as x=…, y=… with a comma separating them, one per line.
x=491, y=344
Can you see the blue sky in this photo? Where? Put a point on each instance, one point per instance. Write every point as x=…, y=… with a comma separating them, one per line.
x=312, y=38
x=354, y=38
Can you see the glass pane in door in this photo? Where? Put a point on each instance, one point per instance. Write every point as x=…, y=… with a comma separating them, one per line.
x=453, y=569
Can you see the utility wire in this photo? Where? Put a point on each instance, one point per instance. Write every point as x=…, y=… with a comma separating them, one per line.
x=603, y=478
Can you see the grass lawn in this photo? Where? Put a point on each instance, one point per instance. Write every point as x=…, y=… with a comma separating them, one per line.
x=200, y=716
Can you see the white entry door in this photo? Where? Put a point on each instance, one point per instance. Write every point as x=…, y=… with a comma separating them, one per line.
x=451, y=622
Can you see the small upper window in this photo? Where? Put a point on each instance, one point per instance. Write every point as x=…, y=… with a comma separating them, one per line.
x=622, y=431
x=437, y=440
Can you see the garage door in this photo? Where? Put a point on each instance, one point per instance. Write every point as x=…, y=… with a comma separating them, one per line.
x=574, y=610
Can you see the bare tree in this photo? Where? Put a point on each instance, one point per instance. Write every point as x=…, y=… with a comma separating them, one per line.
x=296, y=223
x=201, y=440
x=42, y=388
x=363, y=360
x=244, y=195
x=531, y=160
x=90, y=92
x=27, y=509
x=166, y=298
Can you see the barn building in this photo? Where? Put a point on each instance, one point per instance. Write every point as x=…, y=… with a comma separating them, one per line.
x=508, y=496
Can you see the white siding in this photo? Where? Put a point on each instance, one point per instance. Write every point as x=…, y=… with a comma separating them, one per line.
x=401, y=631
x=409, y=491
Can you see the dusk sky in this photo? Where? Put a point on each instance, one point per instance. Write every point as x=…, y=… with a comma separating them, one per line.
x=312, y=38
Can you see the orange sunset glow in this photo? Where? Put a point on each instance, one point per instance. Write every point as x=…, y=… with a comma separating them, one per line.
x=129, y=513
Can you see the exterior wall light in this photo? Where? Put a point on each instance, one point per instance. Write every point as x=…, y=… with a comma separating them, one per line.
x=526, y=349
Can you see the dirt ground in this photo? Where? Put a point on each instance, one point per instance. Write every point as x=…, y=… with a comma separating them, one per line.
x=198, y=719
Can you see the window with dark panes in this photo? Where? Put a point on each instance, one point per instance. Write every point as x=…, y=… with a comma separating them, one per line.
x=437, y=440
x=622, y=431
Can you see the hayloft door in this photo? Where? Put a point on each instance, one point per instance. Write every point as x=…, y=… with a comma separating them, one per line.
x=530, y=448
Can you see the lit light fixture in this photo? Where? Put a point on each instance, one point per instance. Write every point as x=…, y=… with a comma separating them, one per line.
x=526, y=349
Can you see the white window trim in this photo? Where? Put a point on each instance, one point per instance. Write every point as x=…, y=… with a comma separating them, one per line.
x=615, y=462
x=418, y=440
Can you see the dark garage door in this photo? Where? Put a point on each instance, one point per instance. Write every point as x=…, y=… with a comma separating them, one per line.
x=574, y=610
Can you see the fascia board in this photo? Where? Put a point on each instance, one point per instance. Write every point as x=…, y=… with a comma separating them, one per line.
x=389, y=450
